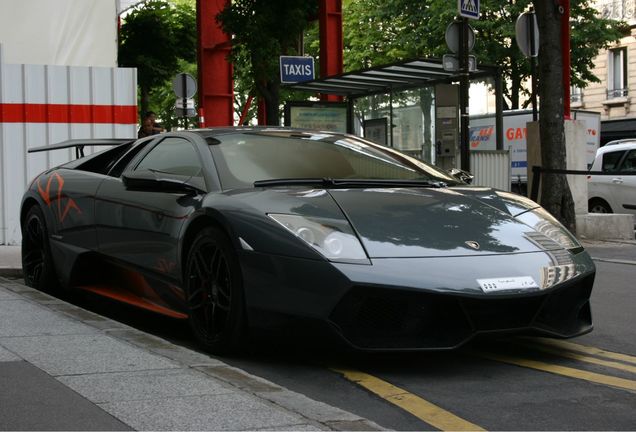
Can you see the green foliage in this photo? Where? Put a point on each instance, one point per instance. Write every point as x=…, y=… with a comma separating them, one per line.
x=267, y=29
x=379, y=32
x=154, y=38
x=264, y=30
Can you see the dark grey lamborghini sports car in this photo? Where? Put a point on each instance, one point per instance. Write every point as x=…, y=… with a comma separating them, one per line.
x=242, y=228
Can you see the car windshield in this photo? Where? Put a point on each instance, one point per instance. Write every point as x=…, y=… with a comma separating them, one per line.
x=248, y=157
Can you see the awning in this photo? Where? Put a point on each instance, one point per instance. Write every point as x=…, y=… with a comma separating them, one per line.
x=389, y=78
x=618, y=129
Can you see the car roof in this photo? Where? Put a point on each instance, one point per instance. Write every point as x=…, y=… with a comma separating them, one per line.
x=216, y=131
x=617, y=146
x=621, y=141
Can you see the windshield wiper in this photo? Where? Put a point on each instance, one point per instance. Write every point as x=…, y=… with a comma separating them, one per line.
x=343, y=183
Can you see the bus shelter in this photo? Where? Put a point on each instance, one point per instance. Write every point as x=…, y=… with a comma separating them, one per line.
x=411, y=105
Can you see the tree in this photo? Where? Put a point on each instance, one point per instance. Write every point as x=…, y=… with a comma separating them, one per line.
x=378, y=32
x=555, y=191
x=154, y=37
x=264, y=30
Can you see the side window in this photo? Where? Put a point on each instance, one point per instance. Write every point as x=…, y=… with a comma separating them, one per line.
x=629, y=163
x=118, y=167
x=611, y=160
x=173, y=156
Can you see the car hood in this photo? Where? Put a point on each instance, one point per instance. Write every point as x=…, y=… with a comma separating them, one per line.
x=394, y=222
x=427, y=222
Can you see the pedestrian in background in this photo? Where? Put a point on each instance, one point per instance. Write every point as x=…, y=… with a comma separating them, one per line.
x=146, y=128
x=157, y=127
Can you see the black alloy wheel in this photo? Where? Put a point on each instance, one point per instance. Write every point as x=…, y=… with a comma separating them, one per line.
x=37, y=262
x=215, y=293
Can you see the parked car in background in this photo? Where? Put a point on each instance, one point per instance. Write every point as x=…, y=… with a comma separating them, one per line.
x=614, y=193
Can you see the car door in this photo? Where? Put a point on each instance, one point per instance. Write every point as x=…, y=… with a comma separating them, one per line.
x=69, y=196
x=602, y=186
x=624, y=186
x=141, y=226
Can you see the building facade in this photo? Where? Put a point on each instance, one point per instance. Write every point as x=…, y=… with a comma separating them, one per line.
x=615, y=96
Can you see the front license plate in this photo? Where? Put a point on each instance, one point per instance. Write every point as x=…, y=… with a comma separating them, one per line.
x=507, y=283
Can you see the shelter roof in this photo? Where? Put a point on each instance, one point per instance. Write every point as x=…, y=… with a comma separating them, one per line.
x=388, y=78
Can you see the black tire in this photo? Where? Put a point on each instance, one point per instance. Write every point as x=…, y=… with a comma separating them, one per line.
x=597, y=205
x=37, y=262
x=214, y=291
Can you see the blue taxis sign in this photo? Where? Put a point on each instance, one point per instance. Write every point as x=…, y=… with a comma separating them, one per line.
x=468, y=8
x=295, y=69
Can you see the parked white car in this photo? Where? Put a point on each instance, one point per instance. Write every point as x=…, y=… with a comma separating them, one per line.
x=613, y=193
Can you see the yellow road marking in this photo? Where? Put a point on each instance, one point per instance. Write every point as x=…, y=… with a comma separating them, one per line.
x=420, y=408
x=586, y=349
x=583, y=358
x=563, y=370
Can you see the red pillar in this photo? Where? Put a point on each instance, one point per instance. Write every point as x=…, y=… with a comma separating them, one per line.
x=216, y=88
x=565, y=47
x=331, y=42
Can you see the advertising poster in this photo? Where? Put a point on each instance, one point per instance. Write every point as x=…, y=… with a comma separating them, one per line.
x=319, y=116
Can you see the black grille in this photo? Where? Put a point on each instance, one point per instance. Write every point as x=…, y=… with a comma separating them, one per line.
x=384, y=318
x=502, y=314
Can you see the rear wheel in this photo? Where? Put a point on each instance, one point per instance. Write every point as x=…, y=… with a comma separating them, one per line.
x=214, y=292
x=597, y=205
x=37, y=262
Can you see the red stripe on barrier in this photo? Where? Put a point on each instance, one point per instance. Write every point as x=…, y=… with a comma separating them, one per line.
x=66, y=113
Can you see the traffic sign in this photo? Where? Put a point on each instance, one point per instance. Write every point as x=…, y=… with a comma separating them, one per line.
x=468, y=8
x=184, y=85
x=453, y=37
x=295, y=69
x=189, y=103
x=527, y=34
x=450, y=63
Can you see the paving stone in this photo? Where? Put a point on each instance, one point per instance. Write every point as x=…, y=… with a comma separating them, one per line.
x=17, y=287
x=301, y=427
x=223, y=412
x=22, y=318
x=32, y=400
x=309, y=408
x=76, y=312
x=360, y=425
x=240, y=378
x=6, y=355
x=40, y=297
x=82, y=354
x=129, y=386
x=5, y=294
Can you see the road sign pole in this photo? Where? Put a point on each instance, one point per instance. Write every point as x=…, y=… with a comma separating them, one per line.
x=533, y=64
x=184, y=83
x=463, y=96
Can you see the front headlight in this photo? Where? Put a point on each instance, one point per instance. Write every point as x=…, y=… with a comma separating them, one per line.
x=332, y=238
x=542, y=221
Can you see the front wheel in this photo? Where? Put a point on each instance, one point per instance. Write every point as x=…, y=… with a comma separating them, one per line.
x=214, y=290
x=37, y=262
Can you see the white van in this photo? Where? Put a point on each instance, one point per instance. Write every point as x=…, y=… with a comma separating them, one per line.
x=613, y=193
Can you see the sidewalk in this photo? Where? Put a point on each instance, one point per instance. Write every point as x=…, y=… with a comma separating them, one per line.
x=65, y=368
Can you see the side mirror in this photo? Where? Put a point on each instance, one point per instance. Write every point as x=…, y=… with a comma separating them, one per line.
x=462, y=175
x=154, y=181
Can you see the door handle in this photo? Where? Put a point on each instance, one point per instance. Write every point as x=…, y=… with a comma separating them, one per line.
x=617, y=180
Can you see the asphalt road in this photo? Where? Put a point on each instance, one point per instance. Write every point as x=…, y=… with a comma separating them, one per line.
x=587, y=383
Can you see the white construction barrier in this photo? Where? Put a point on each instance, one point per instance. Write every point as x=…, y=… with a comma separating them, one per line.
x=491, y=168
x=43, y=105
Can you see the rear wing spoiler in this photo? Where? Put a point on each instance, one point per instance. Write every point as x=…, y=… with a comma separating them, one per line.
x=80, y=143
